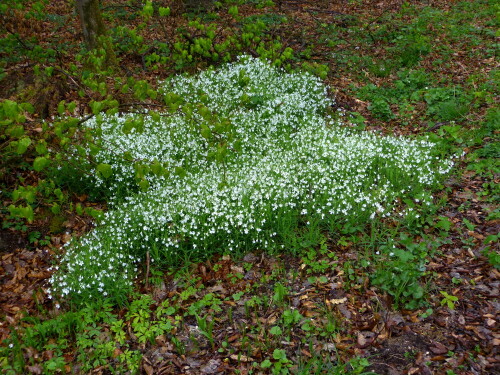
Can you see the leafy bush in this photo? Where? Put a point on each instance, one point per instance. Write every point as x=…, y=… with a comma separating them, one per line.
x=248, y=155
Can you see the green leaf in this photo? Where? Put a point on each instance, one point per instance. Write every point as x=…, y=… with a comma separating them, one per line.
x=59, y=194
x=164, y=12
x=418, y=293
x=156, y=168
x=275, y=331
x=468, y=224
x=112, y=111
x=79, y=209
x=155, y=116
x=144, y=184
x=41, y=148
x=94, y=150
x=233, y=10
x=490, y=238
x=102, y=88
x=139, y=170
x=71, y=106
x=23, y=145
x=237, y=146
x=323, y=279
x=205, y=132
x=266, y=363
x=16, y=194
x=128, y=126
x=279, y=354
x=25, y=212
x=221, y=153
x=28, y=107
x=10, y=109
x=96, y=107
x=105, y=170
x=449, y=300
x=61, y=107
x=170, y=310
x=40, y=163
x=181, y=172
x=55, y=209
x=15, y=131
x=404, y=256
x=205, y=113
x=444, y=223
x=148, y=10
x=452, y=298
x=152, y=93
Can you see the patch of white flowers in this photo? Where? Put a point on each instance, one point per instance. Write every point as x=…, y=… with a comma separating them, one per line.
x=296, y=165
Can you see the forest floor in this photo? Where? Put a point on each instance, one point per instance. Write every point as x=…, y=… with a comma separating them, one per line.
x=424, y=69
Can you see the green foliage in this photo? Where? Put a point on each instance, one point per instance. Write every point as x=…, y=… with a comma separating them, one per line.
x=142, y=320
x=280, y=364
x=320, y=70
x=381, y=108
x=490, y=253
x=16, y=145
x=316, y=259
x=291, y=317
x=448, y=300
x=318, y=364
x=443, y=223
x=275, y=331
x=198, y=43
x=269, y=19
x=443, y=103
x=399, y=272
x=411, y=47
x=246, y=119
x=206, y=327
x=446, y=104
x=493, y=257
x=189, y=48
x=85, y=328
x=13, y=135
x=280, y=293
x=209, y=301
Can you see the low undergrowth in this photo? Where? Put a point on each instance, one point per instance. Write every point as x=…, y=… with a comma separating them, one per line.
x=250, y=156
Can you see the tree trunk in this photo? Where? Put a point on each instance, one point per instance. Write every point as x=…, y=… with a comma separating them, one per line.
x=91, y=20
x=196, y=6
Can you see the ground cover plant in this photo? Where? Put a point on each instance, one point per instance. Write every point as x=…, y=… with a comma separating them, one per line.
x=278, y=163
x=262, y=216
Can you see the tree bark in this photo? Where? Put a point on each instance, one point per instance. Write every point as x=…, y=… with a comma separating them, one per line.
x=196, y=6
x=91, y=20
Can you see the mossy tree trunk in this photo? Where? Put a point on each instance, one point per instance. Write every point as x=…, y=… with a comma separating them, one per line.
x=94, y=30
x=91, y=20
x=196, y=5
